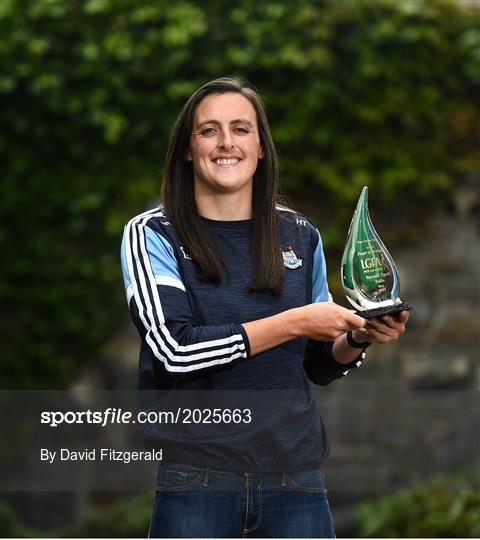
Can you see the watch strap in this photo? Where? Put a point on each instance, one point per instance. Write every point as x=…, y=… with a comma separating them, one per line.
x=356, y=344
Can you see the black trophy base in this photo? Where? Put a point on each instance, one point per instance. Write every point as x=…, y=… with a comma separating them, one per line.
x=384, y=310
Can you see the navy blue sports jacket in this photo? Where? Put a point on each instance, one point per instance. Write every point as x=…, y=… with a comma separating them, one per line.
x=195, y=352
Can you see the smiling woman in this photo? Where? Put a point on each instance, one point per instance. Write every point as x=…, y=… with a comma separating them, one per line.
x=225, y=149
x=224, y=119
x=229, y=293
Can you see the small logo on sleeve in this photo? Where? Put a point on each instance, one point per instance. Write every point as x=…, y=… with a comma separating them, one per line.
x=290, y=259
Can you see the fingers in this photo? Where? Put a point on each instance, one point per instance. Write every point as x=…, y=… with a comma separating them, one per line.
x=327, y=320
x=346, y=320
x=349, y=321
x=393, y=321
x=382, y=329
x=403, y=316
x=390, y=329
x=386, y=328
x=386, y=320
x=355, y=321
x=378, y=337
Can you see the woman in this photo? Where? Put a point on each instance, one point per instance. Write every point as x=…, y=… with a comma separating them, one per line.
x=228, y=291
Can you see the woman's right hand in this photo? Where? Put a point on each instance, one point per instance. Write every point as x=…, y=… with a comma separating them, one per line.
x=326, y=321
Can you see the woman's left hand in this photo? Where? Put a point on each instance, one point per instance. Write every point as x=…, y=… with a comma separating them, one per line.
x=382, y=329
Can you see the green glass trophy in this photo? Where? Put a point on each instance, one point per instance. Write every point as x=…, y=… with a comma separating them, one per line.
x=369, y=275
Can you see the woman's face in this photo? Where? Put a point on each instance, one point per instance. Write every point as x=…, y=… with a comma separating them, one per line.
x=224, y=145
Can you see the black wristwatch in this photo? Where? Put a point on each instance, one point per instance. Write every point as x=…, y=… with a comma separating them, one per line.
x=355, y=344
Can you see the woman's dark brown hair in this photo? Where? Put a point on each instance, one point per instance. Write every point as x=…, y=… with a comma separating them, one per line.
x=178, y=196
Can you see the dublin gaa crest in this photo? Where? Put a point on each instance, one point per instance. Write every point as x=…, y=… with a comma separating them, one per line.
x=290, y=259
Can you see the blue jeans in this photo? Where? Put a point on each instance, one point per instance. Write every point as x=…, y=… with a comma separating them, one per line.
x=192, y=502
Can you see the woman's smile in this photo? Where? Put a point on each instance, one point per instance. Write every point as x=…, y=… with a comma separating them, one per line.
x=226, y=161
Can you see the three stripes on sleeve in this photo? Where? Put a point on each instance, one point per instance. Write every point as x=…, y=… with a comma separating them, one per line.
x=149, y=267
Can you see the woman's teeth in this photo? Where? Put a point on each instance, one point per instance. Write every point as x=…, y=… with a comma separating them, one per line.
x=233, y=161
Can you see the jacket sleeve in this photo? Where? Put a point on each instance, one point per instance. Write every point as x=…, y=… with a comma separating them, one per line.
x=319, y=363
x=160, y=308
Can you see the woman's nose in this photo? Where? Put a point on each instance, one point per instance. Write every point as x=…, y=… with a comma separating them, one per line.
x=225, y=140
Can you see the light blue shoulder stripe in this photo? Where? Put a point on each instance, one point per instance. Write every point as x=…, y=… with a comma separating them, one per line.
x=320, y=291
x=162, y=258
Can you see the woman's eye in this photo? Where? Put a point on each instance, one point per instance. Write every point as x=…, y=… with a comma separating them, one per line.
x=241, y=130
x=207, y=131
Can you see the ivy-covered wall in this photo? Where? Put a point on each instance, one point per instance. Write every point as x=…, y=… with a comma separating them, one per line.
x=380, y=93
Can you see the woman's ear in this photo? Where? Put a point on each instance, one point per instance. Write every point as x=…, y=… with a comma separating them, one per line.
x=261, y=155
x=188, y=155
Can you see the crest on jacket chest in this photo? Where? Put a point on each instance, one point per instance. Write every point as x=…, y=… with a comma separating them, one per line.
x=290, y=259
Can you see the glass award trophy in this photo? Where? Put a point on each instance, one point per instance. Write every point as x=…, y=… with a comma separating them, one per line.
x=369, y=275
